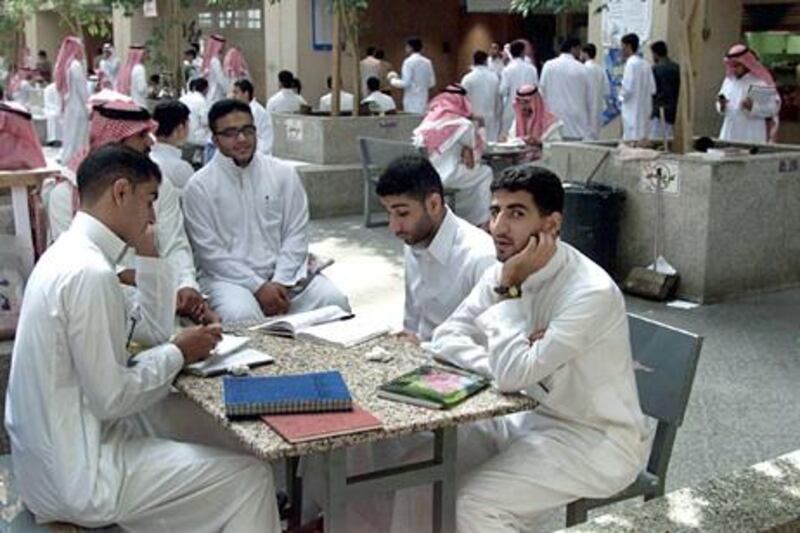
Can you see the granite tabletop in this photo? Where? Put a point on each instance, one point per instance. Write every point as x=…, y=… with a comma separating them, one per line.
x=362, y=377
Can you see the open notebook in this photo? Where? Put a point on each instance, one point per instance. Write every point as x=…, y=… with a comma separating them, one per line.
x=228, y=354
x=330, y=325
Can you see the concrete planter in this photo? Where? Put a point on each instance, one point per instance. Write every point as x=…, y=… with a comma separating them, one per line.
x=730, y=227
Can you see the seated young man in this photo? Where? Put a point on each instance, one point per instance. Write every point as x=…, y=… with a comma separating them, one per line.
x=84, y=448
x=445, y=255
x=551, y=323
x=247, y=217
x=173, y=129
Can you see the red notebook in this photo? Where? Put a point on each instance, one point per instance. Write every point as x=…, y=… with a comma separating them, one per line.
x=312, y=426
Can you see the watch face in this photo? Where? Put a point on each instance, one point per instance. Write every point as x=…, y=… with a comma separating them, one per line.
x=513, y=291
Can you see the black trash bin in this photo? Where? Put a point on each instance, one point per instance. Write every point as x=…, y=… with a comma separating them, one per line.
x=591, y=221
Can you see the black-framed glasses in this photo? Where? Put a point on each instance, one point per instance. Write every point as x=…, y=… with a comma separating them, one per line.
x=233, y=133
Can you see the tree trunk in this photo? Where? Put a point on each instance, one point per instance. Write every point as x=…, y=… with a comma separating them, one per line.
x=336, y=67
x=690, y=43
x=353, y=34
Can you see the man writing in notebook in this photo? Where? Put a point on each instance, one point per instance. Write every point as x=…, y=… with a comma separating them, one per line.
x=550, y=322
x=86, y=447
x=445, y=255
x=247, y=218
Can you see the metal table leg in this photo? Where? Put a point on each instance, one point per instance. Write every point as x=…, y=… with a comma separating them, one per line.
x=334, y=512
x=444, y=490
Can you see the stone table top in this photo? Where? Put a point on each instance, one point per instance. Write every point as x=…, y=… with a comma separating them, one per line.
x=362, y=377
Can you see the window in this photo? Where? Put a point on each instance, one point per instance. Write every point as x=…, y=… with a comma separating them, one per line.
x=226, y=19
x=205, y=20
x=253, y=19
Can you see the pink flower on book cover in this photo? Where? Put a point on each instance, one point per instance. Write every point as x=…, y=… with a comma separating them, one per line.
x=444, y=383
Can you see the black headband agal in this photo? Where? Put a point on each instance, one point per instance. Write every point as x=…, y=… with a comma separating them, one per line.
x=140, y=114
x=20, y=112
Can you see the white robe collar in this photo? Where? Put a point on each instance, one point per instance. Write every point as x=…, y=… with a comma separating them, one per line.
x=112, y=247
x=535, y=281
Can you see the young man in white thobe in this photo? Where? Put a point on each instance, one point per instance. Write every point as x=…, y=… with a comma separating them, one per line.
x=53, y=108
x=78, y=408
x=453, y=145
x=636, y=94
x=70, y=79
x=516, y=73
x=483, y=90
x=746, y=120
x=110, y=64
x=286, y=100
x=212, y=70
x=345, y=99
x=550, y=322
x=567, y=92
x=376, y=99
x=244, y=91
x=247, y=218
x=416, y=79
x=195, y=100
x=445, y=255
x=496, y=61
x=369, y=66
x=132, y=78
x=173, y=129
x=599, y=87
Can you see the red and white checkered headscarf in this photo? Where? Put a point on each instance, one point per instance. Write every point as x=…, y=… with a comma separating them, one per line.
x=135, y=56
x=741, y=54
x=19, y=144
x=71, y=48
x=234, y=66
x=442, y=124
x=539, y=121
x=214, y=46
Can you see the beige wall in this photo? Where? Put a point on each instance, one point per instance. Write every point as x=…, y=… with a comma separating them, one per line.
x=43, y=31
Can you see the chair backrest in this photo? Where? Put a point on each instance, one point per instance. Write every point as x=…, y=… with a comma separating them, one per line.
x=376, y=154
x=666, y=360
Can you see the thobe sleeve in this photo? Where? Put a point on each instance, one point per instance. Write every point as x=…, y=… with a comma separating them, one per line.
x=517, y=364
x=213, y=256
x=411, y=307
x=459, y=340
x=138, y=80
x=504, y=85
x=628, y=82
x=111, y=388
x=406, y=75
x=543, y=81
x=173, y=244
x=77, y=83
x=291, y=264
x=431, y=76
x=152, y=307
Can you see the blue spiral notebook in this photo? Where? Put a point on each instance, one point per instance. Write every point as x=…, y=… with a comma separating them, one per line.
x=299, y=393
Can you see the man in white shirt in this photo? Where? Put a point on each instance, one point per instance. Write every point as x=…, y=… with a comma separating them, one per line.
x=244, y=91
x=212, y=69
x=496, y=62
x=636, y=94
x=551, y=323
x=195, y=100
x=286, y=100
x=247, y=218
x=517, y=73
x=370, y=66
x=567, y=92
x=746, y=119
x=417, y=78
x=53, y=109
x=109, y=65
x=483, y=90
x=345, y=99
x=132, y=79
x=78, y=410
x=599, y=88
x=445, y=255
x=70, y=79
x=376, y=100
x=173, y=129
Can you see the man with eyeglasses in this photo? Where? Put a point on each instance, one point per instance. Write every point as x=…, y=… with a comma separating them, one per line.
x=247, y=216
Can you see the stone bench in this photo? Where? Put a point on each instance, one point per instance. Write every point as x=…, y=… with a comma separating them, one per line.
x=763, y=497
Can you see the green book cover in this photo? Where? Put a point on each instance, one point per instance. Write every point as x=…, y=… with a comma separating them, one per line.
x=433, y=386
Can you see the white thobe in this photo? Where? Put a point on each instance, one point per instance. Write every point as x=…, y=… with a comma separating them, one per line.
x=76, y=114
x=370, y=68
x=417, y=78
x=173, y=167
x=77, y=409
x=636, y=96
x=110, y=67
x=199, y=133
x=439, y=276
x=249, y=226
x=139, y=85
x=345, y=102
x=739, y=124
x=587, y=437
x=567, y=93
x=483, y=90
x=285, y=101
x=217, y=82
x=471, y=185
x=496, y=65
x=383, y=102
x=600, y=89
x=516, y=74
x=52, y=111
x=263, y=124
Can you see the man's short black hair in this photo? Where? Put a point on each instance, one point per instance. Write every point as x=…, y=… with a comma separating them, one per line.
x=199, y=85
x=479, y=57
x=226, y=107
x=285, y=78
x=379, y=53
x=415, y=43
x=410, y=175
x=297, y=85
x=109, y=163
x=517, y=48
x=373, y=84
x=42, y=53
x=569, y=44
x=190, y=52
x=632, y=40
x=169, y=116
x=155, y=78
x=542, y=184
x=590, y=50
x=370, y=50
x=659, y=48
x=246, y=86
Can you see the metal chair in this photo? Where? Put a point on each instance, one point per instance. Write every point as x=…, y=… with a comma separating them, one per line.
x=666, y=360
x=376, y=154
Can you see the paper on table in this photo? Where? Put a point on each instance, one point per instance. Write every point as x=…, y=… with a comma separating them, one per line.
x=229, y=344
x=221, y=364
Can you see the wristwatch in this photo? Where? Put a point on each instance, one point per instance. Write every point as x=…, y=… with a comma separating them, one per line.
x=509, y=291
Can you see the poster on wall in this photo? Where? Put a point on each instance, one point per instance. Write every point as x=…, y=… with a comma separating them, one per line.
x=614, y=67
x=150, y=9
x=626, y=16
x=322, y=25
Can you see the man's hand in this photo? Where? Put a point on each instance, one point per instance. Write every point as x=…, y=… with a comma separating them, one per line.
x=722, y=101
x=408, y=336
x=273, y=298
x=531, y=259
x=145, y=245
x=190, y=303
x=196, y=342
x=468, y=157
x=747, y=104
x=539, y=335
x=127, y=277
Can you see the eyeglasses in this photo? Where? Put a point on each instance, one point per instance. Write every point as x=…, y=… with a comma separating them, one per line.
x=230, y=134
